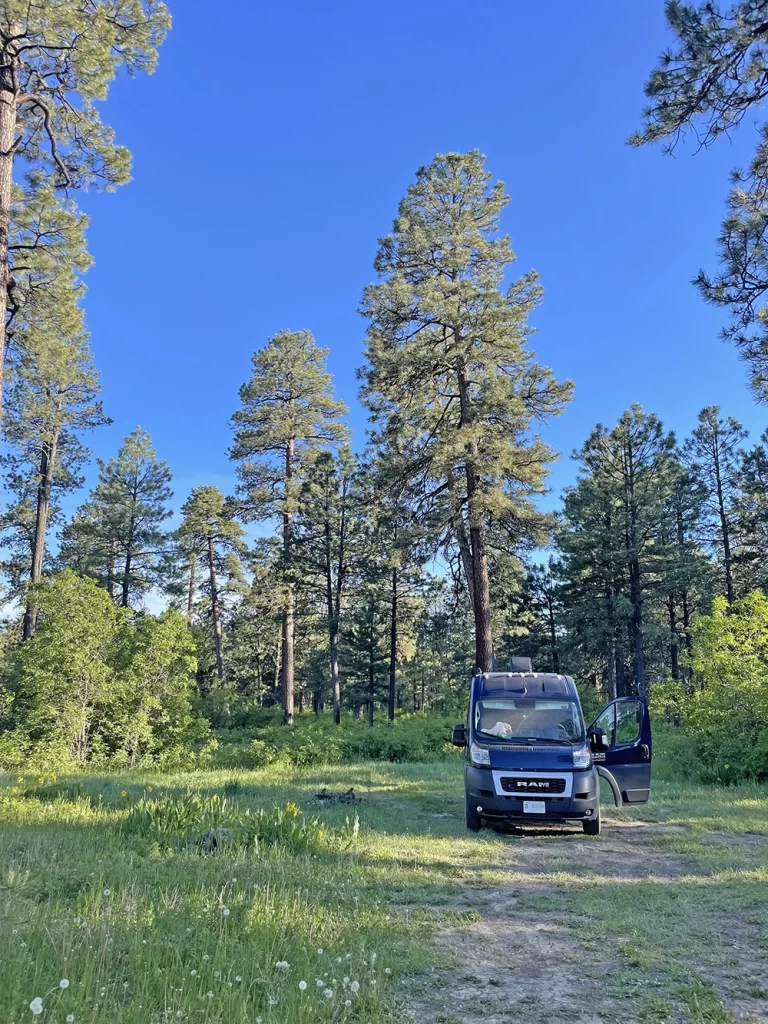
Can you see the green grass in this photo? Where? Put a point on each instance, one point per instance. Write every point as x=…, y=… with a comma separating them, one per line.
x=147, y=928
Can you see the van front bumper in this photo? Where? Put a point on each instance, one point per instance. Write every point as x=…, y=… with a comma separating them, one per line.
x=583, y=802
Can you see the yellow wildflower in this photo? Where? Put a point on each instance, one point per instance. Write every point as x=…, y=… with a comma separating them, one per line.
x=149, y=789
x=292, y=809
x=124, y=793
x=14, y=789
x=20, y=778
x=41, y=779
x=53, y=778
x=215, y=797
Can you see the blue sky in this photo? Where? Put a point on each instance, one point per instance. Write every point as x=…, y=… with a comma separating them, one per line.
x=271, y=148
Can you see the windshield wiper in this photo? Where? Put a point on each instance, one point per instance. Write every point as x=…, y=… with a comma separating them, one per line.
x=546, y=739
x=530, y=740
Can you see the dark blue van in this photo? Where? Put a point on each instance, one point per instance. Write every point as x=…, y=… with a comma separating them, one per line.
x=531, y=759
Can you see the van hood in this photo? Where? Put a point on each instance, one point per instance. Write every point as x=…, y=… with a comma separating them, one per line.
x=532, y=758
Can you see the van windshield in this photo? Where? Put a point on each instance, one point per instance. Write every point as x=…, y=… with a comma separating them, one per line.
x=529, y=720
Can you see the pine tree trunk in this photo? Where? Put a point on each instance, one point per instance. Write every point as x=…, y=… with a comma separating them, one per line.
x=612, y=686
x=288, y=612
x=481, y=603
x=673, y=639
x=687, y=623
x=111, y=570
x=553, y=635
x=392, y=648
x=371, y=672
x=191, y=586
x=215, y=609
x=638, y=635
x=45, y=483
x=635, y=576
x=126, y=586
x=7, y=146
x=333, y=608
x=466, y=561
x=724, y=529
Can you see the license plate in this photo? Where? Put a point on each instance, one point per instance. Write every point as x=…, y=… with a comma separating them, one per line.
x=534, y=807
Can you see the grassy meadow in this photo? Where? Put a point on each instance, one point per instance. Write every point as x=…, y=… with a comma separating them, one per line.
x=113, y=908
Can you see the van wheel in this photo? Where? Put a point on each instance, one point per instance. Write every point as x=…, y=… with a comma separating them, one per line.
x=591, y=826
x=472, y=818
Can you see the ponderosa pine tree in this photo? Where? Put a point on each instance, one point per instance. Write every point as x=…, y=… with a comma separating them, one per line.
x=288, y=415
x=52, y=402
x=57, y=60
x=51, y=382
x=122, y=520
x=627, y=473
x=713, y=453
x=715, y=77
x=450, y=378
x=752, y=518
x=213, y=538
x=327, y=528
x=685, y=577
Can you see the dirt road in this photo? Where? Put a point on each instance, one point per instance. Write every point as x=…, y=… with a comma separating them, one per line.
x=648, y=922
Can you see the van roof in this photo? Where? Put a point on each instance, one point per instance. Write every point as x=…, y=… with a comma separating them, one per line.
x=532, y=684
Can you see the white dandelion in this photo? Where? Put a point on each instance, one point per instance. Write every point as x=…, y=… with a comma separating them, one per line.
x=355, y=986
x=36, y=1006
x=320, y=951
x=70, y=1018
x=238, y=977
x=303, y=986
x=347, y=1002
x=387, y=970
x=64, y=983
x=107, y=892
x=193, y=973
x=225, y=911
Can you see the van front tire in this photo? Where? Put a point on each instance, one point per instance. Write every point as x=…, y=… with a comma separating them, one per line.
x=471, y=817
x=591, y=826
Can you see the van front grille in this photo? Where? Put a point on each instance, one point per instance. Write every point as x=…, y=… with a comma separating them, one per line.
x=531, y=785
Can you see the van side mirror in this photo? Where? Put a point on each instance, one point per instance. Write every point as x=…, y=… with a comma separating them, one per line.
x=598, y=740
x=459, y=736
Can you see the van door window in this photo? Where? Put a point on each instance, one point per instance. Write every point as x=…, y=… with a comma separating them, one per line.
x=628, y=721
x=606, y=721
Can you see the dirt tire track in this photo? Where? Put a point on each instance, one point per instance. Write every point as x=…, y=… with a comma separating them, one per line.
x=523, y=964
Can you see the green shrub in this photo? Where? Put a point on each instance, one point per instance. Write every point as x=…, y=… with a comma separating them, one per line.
x=316, y=740
x=175, y=817
x=723, y=713
x=172, y=820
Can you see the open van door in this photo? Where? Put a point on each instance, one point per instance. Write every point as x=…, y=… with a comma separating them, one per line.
x=620, y=737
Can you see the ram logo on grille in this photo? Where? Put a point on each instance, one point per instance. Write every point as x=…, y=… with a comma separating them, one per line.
x=511, y=785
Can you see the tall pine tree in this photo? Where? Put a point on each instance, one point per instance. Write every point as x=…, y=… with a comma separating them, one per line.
x=450, y=379
x=287, y=416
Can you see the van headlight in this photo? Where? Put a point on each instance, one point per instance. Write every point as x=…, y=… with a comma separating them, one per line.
x=582, y=758
x=478, y=755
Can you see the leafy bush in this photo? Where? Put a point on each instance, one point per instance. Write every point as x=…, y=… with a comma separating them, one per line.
x=171, y=820
x=92, y=684
x=723, y=715
x=175, y=817
x=316, y=740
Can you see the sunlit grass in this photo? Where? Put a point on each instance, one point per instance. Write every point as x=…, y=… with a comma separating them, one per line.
x=147, y=928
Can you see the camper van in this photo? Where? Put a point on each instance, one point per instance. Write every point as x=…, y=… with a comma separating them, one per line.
x=530, y=758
